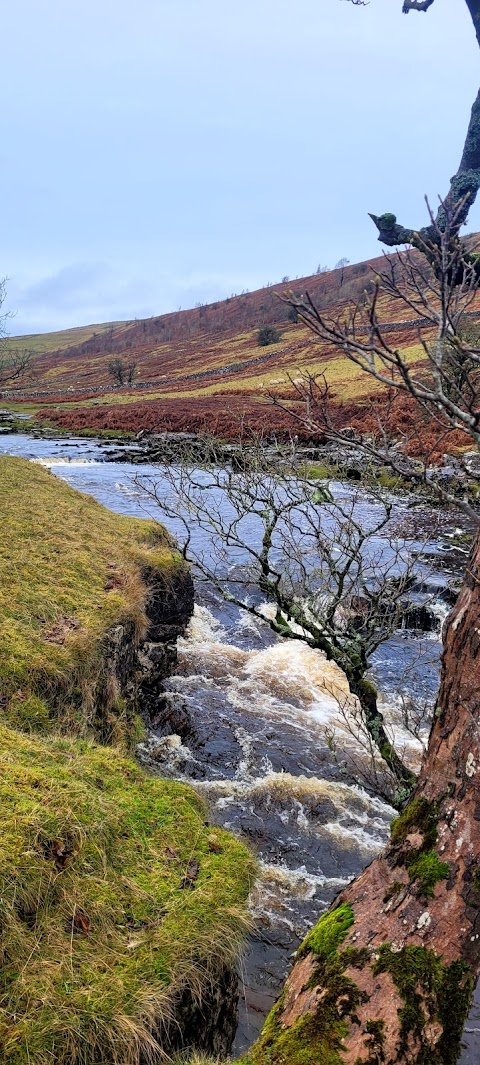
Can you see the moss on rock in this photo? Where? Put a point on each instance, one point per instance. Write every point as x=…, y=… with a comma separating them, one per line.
x=316, y=1036
x=419, y=814
x=427, y=869
x=329, y=932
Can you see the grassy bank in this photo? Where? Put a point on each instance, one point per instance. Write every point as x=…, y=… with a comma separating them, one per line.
x=116, y=897
x=70, y=571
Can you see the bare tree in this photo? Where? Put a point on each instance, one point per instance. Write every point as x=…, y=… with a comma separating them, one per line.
x=15, y=362
x=123, y=373
x=330, y=565
x=442, y=383
x=386, y=976
x=464, y=185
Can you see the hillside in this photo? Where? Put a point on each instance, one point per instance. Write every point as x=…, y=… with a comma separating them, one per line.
x=202, y=368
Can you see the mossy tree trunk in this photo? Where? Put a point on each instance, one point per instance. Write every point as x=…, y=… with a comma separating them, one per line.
x=387, y=975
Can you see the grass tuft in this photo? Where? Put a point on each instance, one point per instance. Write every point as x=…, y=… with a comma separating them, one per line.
x=102, y=919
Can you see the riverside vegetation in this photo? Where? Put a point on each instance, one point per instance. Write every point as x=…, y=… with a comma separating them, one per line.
x=121, y=910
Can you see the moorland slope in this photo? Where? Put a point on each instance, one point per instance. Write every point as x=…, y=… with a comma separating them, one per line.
x=203, y=369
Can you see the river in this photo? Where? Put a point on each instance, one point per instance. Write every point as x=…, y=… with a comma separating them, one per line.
x=246, y=719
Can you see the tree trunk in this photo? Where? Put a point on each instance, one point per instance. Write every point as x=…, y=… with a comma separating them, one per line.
x=386, y=976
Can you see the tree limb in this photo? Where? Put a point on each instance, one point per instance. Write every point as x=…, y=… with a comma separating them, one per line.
x=464, y=185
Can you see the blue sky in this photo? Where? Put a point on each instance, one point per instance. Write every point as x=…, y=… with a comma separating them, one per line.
x=164, y=152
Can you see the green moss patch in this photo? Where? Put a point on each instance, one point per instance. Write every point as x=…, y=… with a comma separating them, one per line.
x=329, y=932
x=427, y=870
x=112, y=898
x=422, y=863
x=419, y=814
x=70, y=570
x=316, y=1037
x=429, y=990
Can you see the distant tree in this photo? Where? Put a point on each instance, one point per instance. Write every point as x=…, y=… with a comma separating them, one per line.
x=131, y=369
x=342, y=263
x=322, y=269
x=14, y=362
x=267, y=335
x=116, y=369
x=122, y=372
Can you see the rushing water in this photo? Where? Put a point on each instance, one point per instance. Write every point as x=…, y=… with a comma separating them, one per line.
x=248, y=720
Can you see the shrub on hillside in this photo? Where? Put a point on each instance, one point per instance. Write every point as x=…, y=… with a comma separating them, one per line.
x=268, y=334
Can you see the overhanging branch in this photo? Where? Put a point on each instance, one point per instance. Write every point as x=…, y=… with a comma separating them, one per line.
x=464, y=184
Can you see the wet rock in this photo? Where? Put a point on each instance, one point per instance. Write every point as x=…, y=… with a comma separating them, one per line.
x=208, y=1026
x=421, y=617
x=349, y=433
x=169, y=604
x=451, y=475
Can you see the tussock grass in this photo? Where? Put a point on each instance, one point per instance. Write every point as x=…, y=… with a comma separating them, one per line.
x=113, y=897
x=70, y=571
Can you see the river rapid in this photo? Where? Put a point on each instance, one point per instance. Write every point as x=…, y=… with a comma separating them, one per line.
x=248, y=720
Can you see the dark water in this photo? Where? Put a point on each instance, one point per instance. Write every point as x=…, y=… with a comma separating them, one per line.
x=248, y=720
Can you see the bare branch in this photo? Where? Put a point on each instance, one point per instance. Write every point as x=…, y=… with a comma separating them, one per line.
x=290, y=553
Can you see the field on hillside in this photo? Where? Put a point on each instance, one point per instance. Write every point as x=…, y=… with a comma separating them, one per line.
x=203, y=370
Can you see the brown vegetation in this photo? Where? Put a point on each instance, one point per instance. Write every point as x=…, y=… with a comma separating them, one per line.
x=201, y=369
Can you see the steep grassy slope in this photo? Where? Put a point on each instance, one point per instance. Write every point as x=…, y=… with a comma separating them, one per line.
x=121, y=911
x=69, y=572
x=38, y=343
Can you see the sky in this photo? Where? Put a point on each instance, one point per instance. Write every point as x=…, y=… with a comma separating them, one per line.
x=160, y=153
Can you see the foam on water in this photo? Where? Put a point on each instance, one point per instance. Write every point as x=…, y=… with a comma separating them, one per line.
x=286, y=682
x=288, y=678
x=52, y=463
x=359, y=817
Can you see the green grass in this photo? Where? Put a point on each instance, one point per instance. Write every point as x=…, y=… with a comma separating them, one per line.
x=69, y=571
x=63, y=338
x=100, y=924
x=116, y=897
